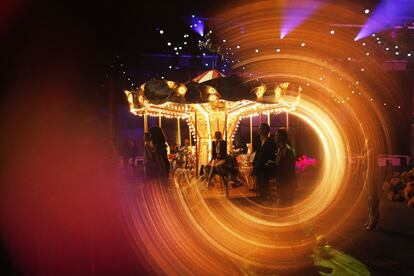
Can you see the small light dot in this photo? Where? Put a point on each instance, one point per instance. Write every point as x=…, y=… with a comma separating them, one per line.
x=195, y=25
x=278, y=50
x=169, y=43
x=399, y=107
x=175, y=48
x=366, y=11
x=397, y=53
x=303, y=44
x=180, y=48
x=177, y=53
x=387, y=49
x=204, y=54
x=170, y=66
x=332, y=32
x=364, y=44
x=385, y=104
x=379, y=42
x=396, y=47
x=193, y=16
x=378, y=38
x=367, y=53
x=224, y=41
x=362, y=69
x=185, y=42
x=257, y=50
x=409, y=54
x=307, y=84
x=373, y=35
x=238, y=46
x=161, y=31
x=349, y=58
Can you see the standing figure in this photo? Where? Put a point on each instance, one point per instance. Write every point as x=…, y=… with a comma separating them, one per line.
x=285, y=168
x=264, y=153
x=158, y=164
x=219, y=154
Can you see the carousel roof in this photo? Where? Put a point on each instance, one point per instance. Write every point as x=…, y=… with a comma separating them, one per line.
x=209, y=87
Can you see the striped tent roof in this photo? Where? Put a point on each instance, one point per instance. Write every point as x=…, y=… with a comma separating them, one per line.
x=208, y=75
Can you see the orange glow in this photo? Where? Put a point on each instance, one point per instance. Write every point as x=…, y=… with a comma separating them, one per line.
x=220, y=237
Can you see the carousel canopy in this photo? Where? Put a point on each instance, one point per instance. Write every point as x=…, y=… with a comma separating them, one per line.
x=211, y=87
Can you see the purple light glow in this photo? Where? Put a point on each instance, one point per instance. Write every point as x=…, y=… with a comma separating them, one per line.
x=198, y=25
x=297, y=12
x=387, y=14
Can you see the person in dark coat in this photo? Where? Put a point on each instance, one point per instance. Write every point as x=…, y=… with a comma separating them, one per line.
x=219, y=154
x=285, y=168
x=264, y=153
x=157, y=153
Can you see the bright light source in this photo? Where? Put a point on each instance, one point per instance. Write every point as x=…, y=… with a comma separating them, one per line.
x=161, y=31
x=349, y=58
x=169, y=43
x=303, y=44
x=238, y=46
x=278, y=50
x=409, y=54
x=397, y=53
x=366, y=11
x=257, y=50
x=373, y=35
x=332, y=32
x=224, y=41
x=367, y=53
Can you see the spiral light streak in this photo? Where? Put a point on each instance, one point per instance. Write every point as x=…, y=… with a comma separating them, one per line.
x=181, y=230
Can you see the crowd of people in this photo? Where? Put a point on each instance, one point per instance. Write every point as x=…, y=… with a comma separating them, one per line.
x=274, y=158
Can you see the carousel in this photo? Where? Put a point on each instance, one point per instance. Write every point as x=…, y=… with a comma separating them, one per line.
x=212, y=102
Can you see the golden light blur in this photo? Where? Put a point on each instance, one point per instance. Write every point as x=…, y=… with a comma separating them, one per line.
x=184, y=232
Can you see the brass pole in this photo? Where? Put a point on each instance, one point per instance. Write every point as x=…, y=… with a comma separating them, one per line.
x=159, y=119
x=268, y=118
x=287, y=120
x=251, y=130
x=196, y=143
x=145, y=121
x=178, y=132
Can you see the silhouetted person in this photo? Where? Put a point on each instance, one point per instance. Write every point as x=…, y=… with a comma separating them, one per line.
x=219, y=154
x=285, y=168
x=159, y=164
x=264, y=153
